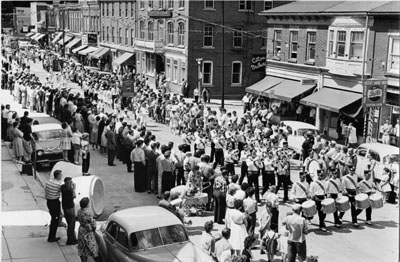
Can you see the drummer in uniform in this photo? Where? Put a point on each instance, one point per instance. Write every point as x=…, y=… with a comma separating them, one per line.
x=317, y=192
x=349, y=185
x=301, y=191
x=366, y=186
x=333, y=188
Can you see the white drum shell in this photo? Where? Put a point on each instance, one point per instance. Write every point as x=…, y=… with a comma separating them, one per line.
x=376, y=200
x=362, y=201
x=342, y=204
x=92, y=188
x=309, y=208
x=328, y=205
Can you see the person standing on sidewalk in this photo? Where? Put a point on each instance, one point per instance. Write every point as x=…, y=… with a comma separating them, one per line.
x=68, y=195
x=52, y=194
x=297, y=227
x=111, y=145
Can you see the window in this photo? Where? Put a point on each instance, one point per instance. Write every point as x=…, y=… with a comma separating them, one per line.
x=175, y=76
x=236, y=72
x=264, y=37
x=151, y=3
x=132, y=9
x=141, y=4
x=126, y=9
x=108, y=9
x=245, y=5
x=208, y=36
x=161, y=4
x=181, y=3
x=104, y=34
x=168, y=73
x=120, y=9
x=209, y=4
x=181, y=34
x=171, y=33
x=132, y=36
x=311, y=40
x=150, y=34
x=173, y=234
x=141, y=30
x=238, y=37
x=108, y=34
x=112, y=229
x=361, y=152
x=277, y=42
x=183, y=70
x=293, y=44
x=112, y=34
x=374, y=155
x=112, y=9
x=356, y=45
x=170, y=4
x=393, y=64
x=268, y=4
x=126, y=37
x=102, y=9
x=122, y=237
x=120, y=36
x=340, y=43
x=150, y=63
x=146, y=239
x=207, y=72
x=331, y=40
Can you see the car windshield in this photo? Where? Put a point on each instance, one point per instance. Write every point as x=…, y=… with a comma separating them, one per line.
x=302, y=131
x=47, y=135
x=158, y=237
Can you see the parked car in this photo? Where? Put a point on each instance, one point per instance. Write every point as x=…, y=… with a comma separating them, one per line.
x=146, y=234
x=379, y=152
x=41, y=118
x=47, y=144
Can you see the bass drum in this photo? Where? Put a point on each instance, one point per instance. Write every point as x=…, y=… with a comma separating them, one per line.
x=314, y=165
x=92, y=188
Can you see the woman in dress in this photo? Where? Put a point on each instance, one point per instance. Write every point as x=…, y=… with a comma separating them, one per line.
x=238, y=227
x=230, y=205
x=87, y=245
x=94, y=133
x=384, y=185
x=65, y=142
x=17, y=143
x=104, y=138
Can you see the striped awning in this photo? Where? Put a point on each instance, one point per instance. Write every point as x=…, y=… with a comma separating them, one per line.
x=76, y=50
x=59, y=34
x=29, y=34
x=34, y=36
x=64, y=40
x=88, y=50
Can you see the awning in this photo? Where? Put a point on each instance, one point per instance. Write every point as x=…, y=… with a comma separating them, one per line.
x=35, y=35
x=39, y=37
x=287, y=90
x=100, y=52
x=331, y=99
x=263, y=85
x=29, y=34
x=79, y=49
x=59, y=34
x=64, y=40
x=123, y=58
x=73, y=42
x=88, y=50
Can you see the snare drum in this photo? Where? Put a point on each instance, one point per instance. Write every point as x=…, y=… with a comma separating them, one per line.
x=328, y=205
x=376, y=200
x=342, y=204
x=309, y=208
x=362, y=201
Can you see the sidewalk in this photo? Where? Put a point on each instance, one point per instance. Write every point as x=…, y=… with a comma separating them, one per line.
x=25, y=219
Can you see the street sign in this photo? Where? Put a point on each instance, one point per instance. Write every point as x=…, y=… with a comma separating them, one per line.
x=374, y=93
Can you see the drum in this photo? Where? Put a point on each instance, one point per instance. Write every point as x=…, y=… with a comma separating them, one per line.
x=91, y=187
x=342, y=204
x=314, y=165
x=362, y=201
x=376, y=200
x=309, y=208
x=328, y=205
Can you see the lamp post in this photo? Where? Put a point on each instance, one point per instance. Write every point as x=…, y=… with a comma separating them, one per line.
x=199, y=76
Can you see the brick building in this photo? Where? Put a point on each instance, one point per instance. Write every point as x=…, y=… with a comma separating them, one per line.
x=317, y=59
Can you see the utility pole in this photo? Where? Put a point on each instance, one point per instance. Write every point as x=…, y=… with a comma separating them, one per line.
x=223, y=59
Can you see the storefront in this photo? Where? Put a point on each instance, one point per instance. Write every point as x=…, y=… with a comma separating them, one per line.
x=73, y=44
x=100, y=58
x=125, y=62
x=389, y=113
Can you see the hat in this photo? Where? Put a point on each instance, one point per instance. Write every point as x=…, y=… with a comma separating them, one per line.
x=319, y=171
x=296, y=207
x=333, y=142
x=285, y=142
x=366, y=171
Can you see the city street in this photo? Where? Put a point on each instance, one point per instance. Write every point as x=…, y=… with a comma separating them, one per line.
x=376, y=243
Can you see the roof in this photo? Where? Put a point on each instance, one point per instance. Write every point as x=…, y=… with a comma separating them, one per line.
x=145, y=217
x=391, y=7
x=382, y=149
x=354, y=6
x=45, y=127
x=302, y=7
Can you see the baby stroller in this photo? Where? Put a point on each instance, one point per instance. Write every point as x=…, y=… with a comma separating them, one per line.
x=195, y=205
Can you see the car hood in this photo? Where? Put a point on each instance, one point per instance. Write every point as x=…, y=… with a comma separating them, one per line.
x=184, y=252
x=48, y=146
x=296, y=142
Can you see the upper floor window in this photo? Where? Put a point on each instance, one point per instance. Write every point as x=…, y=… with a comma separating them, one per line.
x=108, y=9
x=132, y=37
x=268, y=4
x=356, y=45
x=340, y=43
x=181, y=34
x=150, y=29
x=120, y=9
x=104, y=34
x=181, y=3
x=236, y=72
x=141, y=30
x=112, y=9
x=141, y=4
x=311, y=40
x=102, y=9
x=120, y=36
x=277, y=42
x=170, y=33
x=238, y=37
x=161, y=4
x=112, y=34
x=132, y=9
x=126, y=9
x=108, y=34
x=151, y=3
x=126, y=37
x=208, y=36
x=245, y=5
x=264, y=37
x=393, y=64
x=209, y=4
x=293, y=44
x=170, y=4
x=207, y=72
x=331, y=41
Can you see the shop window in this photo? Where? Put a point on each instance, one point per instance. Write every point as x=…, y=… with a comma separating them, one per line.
x=208, y=4
x=293, y=44
x=238, y=37
x=393, y=64
x=208, y=36
x=245, y=4
x=207, y=72
x=311, y=40
x=356, y=45
x=340, y=43
x=277, y=42
x=237, y=73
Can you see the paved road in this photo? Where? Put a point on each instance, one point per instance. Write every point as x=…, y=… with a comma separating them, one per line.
x=367, y=243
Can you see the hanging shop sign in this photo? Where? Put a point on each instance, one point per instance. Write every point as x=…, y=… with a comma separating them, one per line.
x=374, y=93
x=158, y=14
x=258, y=62
x=92, y=39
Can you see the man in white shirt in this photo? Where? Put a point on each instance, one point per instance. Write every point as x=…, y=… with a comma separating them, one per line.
x=317, y=191
x=297, y=227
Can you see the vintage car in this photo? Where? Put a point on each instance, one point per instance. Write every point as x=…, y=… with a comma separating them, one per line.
x=46, y=144
x=38, y=118
x=379, y=152
x=295, y=132
x=148, y=234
